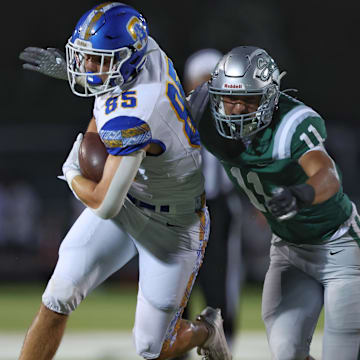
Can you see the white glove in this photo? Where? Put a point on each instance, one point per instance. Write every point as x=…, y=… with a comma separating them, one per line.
x=71, y=167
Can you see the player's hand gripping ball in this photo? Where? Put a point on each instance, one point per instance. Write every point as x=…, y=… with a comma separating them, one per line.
x=92, y=156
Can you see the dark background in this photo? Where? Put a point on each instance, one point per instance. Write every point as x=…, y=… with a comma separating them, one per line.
x=316, y=42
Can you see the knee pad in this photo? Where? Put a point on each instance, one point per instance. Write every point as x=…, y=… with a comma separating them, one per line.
x=62, y=296
x=144, y=347
x=165, y=302
x=152, y=326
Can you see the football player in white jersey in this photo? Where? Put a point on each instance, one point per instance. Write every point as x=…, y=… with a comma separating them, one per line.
x=150, y=200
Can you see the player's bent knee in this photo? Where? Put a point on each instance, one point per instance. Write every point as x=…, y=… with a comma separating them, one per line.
x=147, y=346
x=152, y=325
x=62, y=296
x=167, y=304
x=148, y=336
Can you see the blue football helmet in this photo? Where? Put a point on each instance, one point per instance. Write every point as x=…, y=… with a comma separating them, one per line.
x=116, y=36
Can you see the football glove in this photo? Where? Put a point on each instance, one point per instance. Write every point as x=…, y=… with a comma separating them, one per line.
x=287, y=201
x=50, y=61
x=71, y=167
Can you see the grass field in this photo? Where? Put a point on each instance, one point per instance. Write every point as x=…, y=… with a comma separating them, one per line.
x=110, y=307
x=106, y=316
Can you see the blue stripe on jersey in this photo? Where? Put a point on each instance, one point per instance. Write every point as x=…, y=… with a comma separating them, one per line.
x=125, y=151
x=123, y=135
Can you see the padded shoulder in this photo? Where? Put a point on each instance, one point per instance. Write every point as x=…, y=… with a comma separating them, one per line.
x=296, y=127
x=123, y=135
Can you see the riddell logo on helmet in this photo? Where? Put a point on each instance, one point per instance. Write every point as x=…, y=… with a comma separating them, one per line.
x=233, y=86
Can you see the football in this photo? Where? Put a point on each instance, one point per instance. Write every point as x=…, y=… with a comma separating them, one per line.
x=92, y=156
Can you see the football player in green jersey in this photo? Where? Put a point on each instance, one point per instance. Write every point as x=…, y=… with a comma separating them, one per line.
x=272, y=147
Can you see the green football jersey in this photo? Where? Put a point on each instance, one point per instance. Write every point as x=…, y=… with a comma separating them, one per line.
x=271, y=161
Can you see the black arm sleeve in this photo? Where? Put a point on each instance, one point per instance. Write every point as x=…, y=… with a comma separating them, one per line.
x=197, y=101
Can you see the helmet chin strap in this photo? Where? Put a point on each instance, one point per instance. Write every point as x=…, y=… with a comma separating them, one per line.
x=93, y=80
x=94, y=83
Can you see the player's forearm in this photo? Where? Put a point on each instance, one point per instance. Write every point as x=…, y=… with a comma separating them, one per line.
x=91, y=193
x=107, y=197
x=322, y=174
x=88, y=191
x=325, y=184
x=92, y=126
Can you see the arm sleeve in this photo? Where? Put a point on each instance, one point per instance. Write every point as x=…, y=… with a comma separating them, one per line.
x=197, y=102
x=120, y=185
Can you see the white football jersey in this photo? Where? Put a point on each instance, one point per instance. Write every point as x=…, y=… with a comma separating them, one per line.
x=153, y=110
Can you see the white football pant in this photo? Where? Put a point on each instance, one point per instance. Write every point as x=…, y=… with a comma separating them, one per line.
x=170, y=249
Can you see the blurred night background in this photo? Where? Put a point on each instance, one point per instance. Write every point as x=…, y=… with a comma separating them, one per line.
x=315, y=42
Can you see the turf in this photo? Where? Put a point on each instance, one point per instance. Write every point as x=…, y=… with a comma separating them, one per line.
x=110, y=307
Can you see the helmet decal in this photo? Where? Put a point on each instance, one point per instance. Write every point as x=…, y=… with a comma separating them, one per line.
x=138, y=32
x=267, y=66
x=233, y=86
